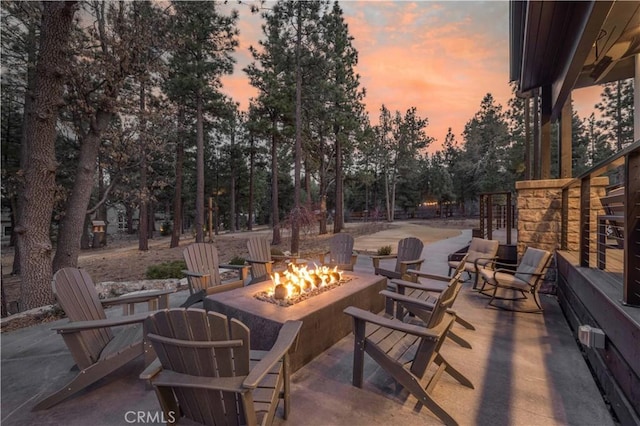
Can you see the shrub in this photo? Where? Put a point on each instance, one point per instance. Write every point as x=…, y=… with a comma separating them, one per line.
x=166, y=270
x=237, y=260
x=384, y=250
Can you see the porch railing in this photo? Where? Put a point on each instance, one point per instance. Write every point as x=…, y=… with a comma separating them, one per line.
x=627, y=162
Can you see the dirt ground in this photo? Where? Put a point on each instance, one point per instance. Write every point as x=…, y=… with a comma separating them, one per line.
x=120, y=259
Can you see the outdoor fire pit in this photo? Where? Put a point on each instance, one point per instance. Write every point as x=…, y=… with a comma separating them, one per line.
x=298, y=283
x=324, y=323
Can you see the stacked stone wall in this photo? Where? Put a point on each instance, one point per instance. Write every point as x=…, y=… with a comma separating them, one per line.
x=540, y=218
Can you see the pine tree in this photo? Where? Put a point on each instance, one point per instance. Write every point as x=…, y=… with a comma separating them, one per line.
x=616, y=109
x=205, y=40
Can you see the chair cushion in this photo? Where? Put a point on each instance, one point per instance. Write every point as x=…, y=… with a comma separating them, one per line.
x=478, y=249
x=533, y=262
x=504, y=279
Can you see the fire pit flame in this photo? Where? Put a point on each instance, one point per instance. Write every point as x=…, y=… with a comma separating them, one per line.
x=299, y=280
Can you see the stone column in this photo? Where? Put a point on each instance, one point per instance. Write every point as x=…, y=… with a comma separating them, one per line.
x=540, y=217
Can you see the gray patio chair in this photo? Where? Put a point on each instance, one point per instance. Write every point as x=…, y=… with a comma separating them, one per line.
x=525, y=279
x=480, y=254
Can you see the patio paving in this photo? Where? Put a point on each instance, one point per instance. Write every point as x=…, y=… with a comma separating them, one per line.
x=527, y=370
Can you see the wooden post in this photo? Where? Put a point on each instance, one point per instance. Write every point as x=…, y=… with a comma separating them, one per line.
x=631, y=291
x=564, y=146
x=545, y=134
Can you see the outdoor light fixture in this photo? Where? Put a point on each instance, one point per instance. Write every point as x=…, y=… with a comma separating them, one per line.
x=591, y=337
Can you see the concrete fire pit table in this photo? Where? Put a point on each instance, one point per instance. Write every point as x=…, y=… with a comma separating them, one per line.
x=324, y=323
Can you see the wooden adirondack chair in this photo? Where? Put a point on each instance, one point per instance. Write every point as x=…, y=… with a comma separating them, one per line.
x=407, y=257
x=208, y=373
x=259, y=259
x=416, y=303
x=424, y=285
x=96, y=349
x=525, y=279
x=481, y=253
x=340, y=253
x=405, y=351
x=203, y=273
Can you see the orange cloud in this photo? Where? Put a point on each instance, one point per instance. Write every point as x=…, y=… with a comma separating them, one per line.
x=440, y=57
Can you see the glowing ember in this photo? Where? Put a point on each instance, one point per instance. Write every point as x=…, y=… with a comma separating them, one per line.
x=298, y=283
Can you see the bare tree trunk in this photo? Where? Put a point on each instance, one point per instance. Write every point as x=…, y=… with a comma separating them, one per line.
x=33, y=233
x=70, y=233
x=177, y=195
x=232, y=191
x=295, y=217
x=199, y=169
x=322, y=187
x=17, y=216
x=252, y=159
x=338, y=220
x=307, y=182
x=275, y=209
x=143, y=227
x=84, y=239
x=387, y=196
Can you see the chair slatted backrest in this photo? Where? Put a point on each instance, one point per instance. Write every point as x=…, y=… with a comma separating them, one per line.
x=259, y=249
x=202, y=258
x=77, y=295
x=409, y=248
x=434, y=316
x=534, y=261
x=341, y=249
x=204, y=344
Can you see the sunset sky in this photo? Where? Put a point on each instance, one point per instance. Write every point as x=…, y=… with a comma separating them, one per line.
x=441, y=57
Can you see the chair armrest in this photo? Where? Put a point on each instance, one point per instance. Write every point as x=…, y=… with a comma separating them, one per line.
x=411, y=262
x=236, y=267
x=404, y=265
x=76, y=326
x=456, y=257
x=414, y=330
x=428, y=276
x=194, y=274
x=401, y=298
x=509, y=271
x=135, y=298
x=286, y=339
x=384, y=256
x=418, y=286
x=509, y=265
x=225, y=384
x=262, y=262
x=152, y=370
x=490, y=259
x=243, y=270
x=377, y=258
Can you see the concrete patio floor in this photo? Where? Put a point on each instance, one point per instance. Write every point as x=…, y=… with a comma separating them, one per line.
x=527, y=370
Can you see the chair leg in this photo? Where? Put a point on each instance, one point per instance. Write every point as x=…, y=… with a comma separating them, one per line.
x=389, y=305
x=537, y=300
x=459, y=340
x=453, y=372
x=463, y=322
x=89, y=376
x=475, y=280
x=194, y=298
